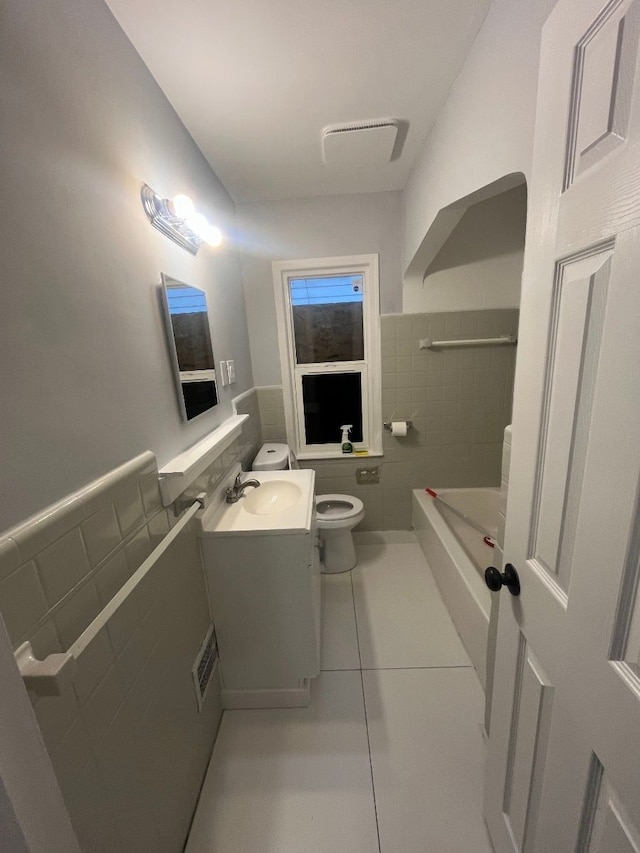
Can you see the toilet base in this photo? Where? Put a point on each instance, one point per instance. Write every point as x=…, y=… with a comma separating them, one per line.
x=339, y=553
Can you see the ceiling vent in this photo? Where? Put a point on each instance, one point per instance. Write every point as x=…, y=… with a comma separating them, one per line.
x=359, y=143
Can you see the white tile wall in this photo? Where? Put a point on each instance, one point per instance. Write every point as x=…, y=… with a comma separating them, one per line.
x=64, y=563
x=23, y=600
x=459, y=402
x=57, y=571
x=101, y=534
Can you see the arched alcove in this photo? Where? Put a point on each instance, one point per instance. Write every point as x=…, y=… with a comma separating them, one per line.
x=479, y=267
x=471, y=257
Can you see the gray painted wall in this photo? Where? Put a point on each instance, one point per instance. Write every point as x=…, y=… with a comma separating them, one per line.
x=312, y=228
x=480, y=265
x=84, y=374
x=485, y=129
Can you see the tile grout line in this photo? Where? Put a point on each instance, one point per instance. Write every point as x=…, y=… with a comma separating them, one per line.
x=366, y=719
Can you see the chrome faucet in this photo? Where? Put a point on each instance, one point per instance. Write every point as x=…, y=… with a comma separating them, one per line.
x=235, y=492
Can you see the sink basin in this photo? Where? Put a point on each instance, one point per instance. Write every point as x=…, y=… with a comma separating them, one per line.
x=271, y=497
x=281, y=505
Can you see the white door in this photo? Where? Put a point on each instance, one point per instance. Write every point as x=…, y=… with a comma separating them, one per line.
x=563, y=772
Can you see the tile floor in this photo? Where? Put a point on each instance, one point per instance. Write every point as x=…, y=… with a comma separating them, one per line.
x=387, y=758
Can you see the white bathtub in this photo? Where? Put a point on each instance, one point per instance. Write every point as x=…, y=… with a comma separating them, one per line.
x=458, y=557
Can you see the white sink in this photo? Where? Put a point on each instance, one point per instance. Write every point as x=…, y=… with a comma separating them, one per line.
x=271, y=497
x=281, y=504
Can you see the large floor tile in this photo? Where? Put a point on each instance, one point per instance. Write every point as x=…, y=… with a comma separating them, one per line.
x=427, y=757
x=339, y=637
x=401, y=618
x=286, y=781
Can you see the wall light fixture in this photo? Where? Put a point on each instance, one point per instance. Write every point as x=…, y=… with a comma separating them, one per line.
x=177, y=219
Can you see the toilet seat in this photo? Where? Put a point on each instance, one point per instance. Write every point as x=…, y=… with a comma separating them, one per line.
x=335, y=508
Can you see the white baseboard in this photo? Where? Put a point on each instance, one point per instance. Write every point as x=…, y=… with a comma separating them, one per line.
x=284, y=697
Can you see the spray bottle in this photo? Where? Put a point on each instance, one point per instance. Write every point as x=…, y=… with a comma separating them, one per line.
x=347, y=447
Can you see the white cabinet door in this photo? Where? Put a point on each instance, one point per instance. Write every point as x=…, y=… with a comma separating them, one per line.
x=563, y=772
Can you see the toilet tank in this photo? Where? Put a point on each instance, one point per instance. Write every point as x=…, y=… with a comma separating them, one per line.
x=272, y=457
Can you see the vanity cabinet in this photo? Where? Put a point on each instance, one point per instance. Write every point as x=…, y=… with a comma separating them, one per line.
x=264, y=591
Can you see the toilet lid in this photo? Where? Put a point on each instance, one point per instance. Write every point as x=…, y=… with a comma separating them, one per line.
x=338, y=506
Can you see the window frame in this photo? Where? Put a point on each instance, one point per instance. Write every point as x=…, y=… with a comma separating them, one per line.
x=369, y=367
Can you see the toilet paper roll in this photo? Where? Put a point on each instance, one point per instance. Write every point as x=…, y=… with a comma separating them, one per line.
x=398, y=428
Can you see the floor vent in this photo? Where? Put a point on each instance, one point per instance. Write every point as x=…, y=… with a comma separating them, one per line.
x=205, y=664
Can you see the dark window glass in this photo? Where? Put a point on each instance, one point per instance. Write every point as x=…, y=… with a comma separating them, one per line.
x=330, y=400
x=327, y=318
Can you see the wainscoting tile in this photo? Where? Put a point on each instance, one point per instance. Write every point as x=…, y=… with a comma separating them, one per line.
x=404, y=347
x=111, y=576
x=123, y=623
x=9, y=557
x=101, y=534
x=124, y=785
x=138, y=549
x=93, y=665
x=88, y=805
x=72, y=754
x=388, y=328
x=56, y=714
x=101, y=707
x=23, y=601
x=131, y=659
x=37, y=533
x=129, y=509
x=107, y=488
x=158, y=527
x=45, y=641
x=150, y=493
x=76, y=613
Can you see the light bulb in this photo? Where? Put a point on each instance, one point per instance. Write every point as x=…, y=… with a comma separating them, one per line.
x=197, y=223
x=213, y=236
x=182, y=206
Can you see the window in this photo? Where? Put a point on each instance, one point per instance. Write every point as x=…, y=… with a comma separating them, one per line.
x=329, y=334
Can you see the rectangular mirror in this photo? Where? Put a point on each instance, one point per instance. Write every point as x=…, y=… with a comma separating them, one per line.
x=190, y=347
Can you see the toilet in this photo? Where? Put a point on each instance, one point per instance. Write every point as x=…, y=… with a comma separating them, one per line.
x=336, y=515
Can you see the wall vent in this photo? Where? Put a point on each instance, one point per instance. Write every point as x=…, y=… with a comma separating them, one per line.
x=360, y=143
x=205, y=664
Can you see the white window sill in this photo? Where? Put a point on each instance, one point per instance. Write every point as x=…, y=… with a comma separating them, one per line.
x=309, y=457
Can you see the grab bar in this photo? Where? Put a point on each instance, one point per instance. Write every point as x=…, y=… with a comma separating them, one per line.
x=503, y=340
x=47, y=676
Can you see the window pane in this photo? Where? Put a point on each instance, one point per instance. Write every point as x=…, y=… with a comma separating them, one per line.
x=330, y=400
x=327, y=318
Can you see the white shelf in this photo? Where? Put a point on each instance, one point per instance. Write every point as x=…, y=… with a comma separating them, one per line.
x=180, y=472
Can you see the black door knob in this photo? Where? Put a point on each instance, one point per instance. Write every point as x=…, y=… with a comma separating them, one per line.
x=495, y=579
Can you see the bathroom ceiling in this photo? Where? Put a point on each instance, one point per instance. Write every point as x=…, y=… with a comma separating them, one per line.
x=255, y=82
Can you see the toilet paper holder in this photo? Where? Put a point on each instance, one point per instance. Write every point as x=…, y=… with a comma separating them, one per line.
x=387, y=425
